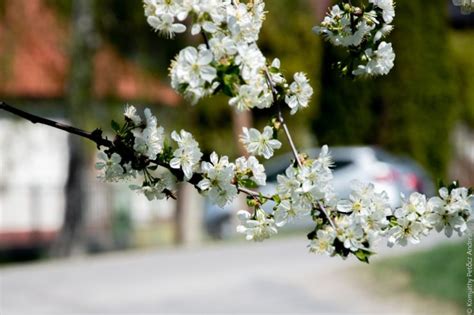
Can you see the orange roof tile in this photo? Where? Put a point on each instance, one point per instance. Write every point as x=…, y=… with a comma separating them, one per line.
x=34, y=61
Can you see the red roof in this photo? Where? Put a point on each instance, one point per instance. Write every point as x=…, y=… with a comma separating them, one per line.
x=34, y=61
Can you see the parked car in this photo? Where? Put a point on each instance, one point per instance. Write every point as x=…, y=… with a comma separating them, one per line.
x=395, y=175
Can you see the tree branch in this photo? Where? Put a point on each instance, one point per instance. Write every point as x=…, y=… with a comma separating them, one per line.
x=95, y=136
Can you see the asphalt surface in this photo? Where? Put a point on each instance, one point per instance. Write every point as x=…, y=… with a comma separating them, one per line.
x=277, y=276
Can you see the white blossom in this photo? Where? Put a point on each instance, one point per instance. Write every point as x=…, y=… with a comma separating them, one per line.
x=131, y=114
x=288, y=183
x=387, y=7
x=165, y=25
x=337, y=28
x=257, y=228
x=467, y=6
x=324, y=242
x=149, y=141
x=243, y=23
x=275, y=73
x=379, y=62
x=247, y=98
x=447, y=209
x=261, y=144
x=194, y=66
x=217, y=181
x=251, y=61
x=251, y=169
x=300, y=93
x=192, y=73
x=405, y=232
x=222, y=46
x=413, y=208
x=353, y=237
x=112, y=170
x=188, y=154
x=159, y=189
x=287, y=211
x=360, y=199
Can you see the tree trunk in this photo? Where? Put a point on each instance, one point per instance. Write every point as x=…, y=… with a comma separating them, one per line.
x=78, y=98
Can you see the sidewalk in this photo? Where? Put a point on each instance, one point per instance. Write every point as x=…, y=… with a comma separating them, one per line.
x=278, y=276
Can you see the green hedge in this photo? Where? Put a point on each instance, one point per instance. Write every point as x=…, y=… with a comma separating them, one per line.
x=412, y=110
x=462, y=43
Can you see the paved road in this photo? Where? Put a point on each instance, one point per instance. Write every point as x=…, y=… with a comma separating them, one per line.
x=278, y=276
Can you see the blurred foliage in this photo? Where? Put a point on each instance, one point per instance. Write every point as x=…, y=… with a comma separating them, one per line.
x=122, y=24
x=410, y=111
x=439, y=272
x=462, y=44
x=291, y=40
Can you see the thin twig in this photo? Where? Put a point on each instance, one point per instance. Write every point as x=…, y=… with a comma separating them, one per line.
x=95, y=136
x=323, y=209
x=281, y=119
x=288, y=136
x=206, y=39
x=253, y=193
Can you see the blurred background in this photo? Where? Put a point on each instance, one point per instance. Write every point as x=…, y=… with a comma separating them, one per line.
x=81, y=61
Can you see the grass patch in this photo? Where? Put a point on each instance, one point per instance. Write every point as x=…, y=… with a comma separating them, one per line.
x=438, y=273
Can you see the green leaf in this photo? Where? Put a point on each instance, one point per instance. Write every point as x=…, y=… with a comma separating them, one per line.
x=247, y=183
x=115, y=126
x=441, y=183
x=363, y=255
x=277, y=198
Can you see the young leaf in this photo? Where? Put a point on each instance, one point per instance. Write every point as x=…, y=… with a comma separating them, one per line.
x=363, y=255
x=115, y=126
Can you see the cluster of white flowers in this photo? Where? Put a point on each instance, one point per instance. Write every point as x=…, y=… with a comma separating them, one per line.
x=230, y=60
x=306, y=190
x=301, y=189
x=354, y=225
x=161, y=184
x=257, y=227
x=367, y=212
x=378, y=62
x=418, y=216
x=218, y=177
x=222, y=178
x=367, y=217
x=188, y=155
x=467, y=6
x=361, y=31
x=141, y=149
x=148, y=141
